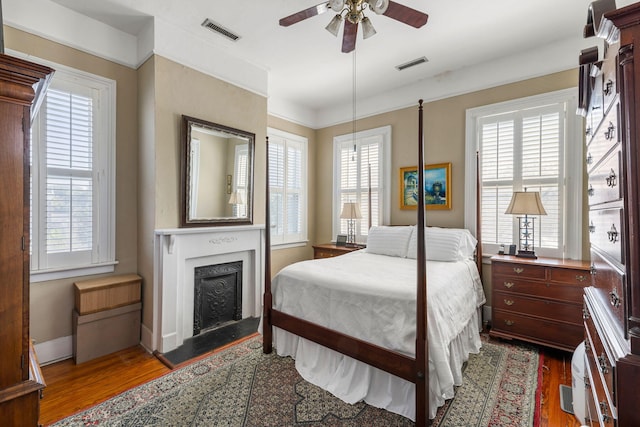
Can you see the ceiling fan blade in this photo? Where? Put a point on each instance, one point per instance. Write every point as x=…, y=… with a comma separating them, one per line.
x=349, y=36
x=304, y=14
x=405, y=14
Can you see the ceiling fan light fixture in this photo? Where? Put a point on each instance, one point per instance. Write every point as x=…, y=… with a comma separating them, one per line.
x=367, y=28
x=336, y=5
x=378, y=6
x=334, y=25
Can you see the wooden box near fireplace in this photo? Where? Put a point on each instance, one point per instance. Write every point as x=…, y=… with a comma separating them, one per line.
x=106, y=293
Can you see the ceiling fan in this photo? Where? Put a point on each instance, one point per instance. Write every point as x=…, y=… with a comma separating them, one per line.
x=352, y=13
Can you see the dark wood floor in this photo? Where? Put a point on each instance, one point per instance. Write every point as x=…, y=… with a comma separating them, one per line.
x=71, y=388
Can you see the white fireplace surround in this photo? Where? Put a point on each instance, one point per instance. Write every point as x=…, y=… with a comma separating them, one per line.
x=177, y=252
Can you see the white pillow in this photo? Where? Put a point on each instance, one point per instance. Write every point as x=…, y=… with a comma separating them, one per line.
x=391, y=241
x=444, y=244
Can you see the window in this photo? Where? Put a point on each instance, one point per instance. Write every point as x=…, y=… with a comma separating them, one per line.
x=72, y=182
x=287, y=187
x=362, y=174
x=530, y=144
x=240, y=185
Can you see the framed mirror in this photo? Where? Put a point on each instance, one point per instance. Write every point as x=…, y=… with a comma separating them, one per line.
x=217, y=174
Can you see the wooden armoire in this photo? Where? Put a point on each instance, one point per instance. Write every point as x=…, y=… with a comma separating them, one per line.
x=610, y=101
x=21, y=382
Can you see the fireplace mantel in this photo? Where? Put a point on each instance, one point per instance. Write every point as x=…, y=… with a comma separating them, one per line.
x=177, y=251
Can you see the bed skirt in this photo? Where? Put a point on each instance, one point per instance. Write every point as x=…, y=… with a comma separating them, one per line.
x=354, y=381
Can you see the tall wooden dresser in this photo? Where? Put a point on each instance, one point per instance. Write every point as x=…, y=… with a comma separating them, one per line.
x=610, y=101
x=20, y=377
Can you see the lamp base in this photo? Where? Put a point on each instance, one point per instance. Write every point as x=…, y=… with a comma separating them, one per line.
x=526, y=254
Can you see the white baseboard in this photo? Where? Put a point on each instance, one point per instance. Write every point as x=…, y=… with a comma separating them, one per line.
x=146, y=338
x=55, y=350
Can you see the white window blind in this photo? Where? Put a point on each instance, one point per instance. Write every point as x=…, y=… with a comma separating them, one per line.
x=523, y=145
x=362, y=175
x=73, y=149
x=287, y=187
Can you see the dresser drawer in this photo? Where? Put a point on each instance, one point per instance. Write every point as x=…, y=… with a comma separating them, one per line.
x=537, y=330
x=554, y=310
x=604, y=139
x=556, y=291
x=605, y=231
x=600, y=364
x=608, y=282
x=518, y=270
x=570, y=276
x=605, y=183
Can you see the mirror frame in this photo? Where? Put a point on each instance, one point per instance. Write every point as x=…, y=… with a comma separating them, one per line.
x=185, y=169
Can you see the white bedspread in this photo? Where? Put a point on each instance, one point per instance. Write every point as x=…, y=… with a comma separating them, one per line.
x=372, y=297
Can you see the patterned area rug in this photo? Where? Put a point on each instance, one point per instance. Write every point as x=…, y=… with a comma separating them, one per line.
x=240, y=386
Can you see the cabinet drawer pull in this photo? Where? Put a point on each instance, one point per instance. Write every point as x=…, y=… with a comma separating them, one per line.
x=593, y=270
x=509, y=322
x=602, y=362
x=612, y=179
x=589, y=158
x=509, y=302
x=614, y=299
x=608, y=86
x=604, y=408
x=592, y=228
x=610, y=132
x=508, y=285
x=585, y=316
x=591, y=191
x=518, y=270
x=581, y=278
x=612, y=234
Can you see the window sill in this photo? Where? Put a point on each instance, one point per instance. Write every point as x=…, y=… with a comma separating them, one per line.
x=288, y=245
x=55, y=274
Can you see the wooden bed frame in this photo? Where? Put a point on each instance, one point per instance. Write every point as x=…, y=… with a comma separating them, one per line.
x=415, y=370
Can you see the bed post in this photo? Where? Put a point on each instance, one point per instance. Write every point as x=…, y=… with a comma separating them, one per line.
x=478, y=220
x=422, y=351
x=267, y=328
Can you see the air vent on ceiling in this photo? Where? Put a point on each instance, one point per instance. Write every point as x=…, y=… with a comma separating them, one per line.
x=412, y=63
x=217, y=28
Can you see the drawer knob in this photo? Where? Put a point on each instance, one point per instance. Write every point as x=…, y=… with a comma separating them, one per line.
x=508, y=285
x=589, y=158
x=585, y=316
x=602, y=362
x=509, y=322
x=592, y=228
x=612, y=179
x=608, y=87
x=581, y=277
x=587, y=131
x=614, y=299
x=509, y=302
x=591, y=191
x=610, y=132
x=612, y=234
x=593, y=270
x=518, y=270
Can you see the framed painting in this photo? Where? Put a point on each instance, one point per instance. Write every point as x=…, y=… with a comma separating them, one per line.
x=437, y=186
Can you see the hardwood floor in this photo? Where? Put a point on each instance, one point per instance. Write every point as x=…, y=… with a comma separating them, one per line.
x=71, y=388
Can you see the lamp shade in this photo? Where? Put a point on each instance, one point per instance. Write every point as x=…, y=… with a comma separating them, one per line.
x=526, y=203
x=334, y=25
x=350, y=210
x=236, y=198
x=367, y=28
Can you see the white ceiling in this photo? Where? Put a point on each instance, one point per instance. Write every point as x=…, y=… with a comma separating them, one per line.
x=470, y=44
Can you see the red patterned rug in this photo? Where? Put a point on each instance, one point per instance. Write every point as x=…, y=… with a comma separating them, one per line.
x=241, y=386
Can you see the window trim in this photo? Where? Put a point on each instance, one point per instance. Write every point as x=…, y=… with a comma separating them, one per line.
x=304, y=235
x=573, y=162
x=104, y=256
x=385, y=172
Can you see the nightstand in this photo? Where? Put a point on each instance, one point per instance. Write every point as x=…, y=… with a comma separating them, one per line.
x=328, y=250
x=538, y=300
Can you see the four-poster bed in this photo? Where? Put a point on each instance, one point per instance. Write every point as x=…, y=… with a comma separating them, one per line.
x=331, y=339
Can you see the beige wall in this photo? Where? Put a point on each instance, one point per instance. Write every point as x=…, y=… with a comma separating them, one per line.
x=52, y=302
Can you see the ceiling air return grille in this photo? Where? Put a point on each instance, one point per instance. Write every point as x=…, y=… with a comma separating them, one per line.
x=412, y=63
x=217, y=28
